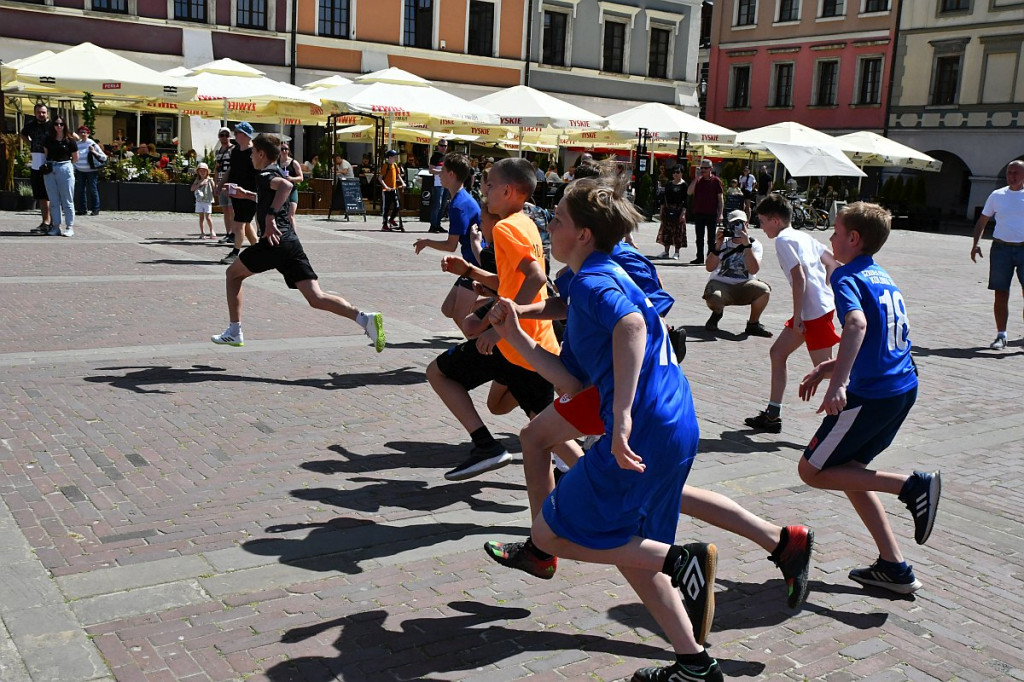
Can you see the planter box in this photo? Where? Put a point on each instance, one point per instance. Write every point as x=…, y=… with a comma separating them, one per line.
x=145, y=196
x=108, y=195
x=184, y=200
x=8, y=201
x=26, y=203
x=307, y=201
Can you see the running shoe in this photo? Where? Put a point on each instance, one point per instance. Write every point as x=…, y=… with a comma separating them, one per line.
x=230, y=258
x=794, y=559
x=921, y=494
x=228, y=339
x=374, y=328
x=227, y=239
x=480, y=460
x=680, y=673
x=763, y=422
x=694, y=575
x=517, y=555
x=883, y=574
x=998, y=344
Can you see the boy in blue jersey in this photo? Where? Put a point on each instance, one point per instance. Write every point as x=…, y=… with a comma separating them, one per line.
x=863, y=418
x=619, y=504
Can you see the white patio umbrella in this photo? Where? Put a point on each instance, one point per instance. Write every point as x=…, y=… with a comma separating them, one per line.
x=805, y=160
x=665, y=122
x=787, y=132
x=329, y=82
x=523, y=107
x=871, y=149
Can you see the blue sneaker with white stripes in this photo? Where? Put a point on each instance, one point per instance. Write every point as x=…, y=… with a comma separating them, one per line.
x=921, y=494
x=893, y=577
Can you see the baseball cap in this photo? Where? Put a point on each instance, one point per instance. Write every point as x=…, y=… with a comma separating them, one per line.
x=391, y=152
x=245, y=128
x=705, y=163
x=737, y=216
x=223, y=131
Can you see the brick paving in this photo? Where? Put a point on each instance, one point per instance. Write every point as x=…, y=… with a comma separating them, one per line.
x=181, y=511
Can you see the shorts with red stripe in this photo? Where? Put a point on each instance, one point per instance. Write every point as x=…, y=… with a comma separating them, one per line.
x=582, y=411
x=864, y=428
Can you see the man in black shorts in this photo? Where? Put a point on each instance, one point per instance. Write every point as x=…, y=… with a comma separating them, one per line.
x=279, y=249
x=242, y=174
x=35, y=131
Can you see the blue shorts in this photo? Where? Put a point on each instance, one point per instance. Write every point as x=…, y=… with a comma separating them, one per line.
x=598, y=505
x=860, y=432
x=1003, y=260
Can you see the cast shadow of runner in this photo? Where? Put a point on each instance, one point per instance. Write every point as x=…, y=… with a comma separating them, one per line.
x=155, y=375
x=741, y=441
x=342, y=543
x=407, y=455
x=966, y=353
x=425, y=646
x=414, y=495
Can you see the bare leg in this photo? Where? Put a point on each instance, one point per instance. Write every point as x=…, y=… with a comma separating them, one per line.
x=44, y=209
x=316, y=298
x=1001, y=309
x=455, y=397
x=229, y=219
x=870, y=510
x=536, y=438
x=500, y=400
x=663, y=602
x=787, y=342
x=235, y=275
x=722, y=512
x=638, y=553
x=250, y=235
x=820, y=355
x=757, y=307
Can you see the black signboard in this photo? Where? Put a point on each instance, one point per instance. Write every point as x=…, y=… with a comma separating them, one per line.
x=347, y=198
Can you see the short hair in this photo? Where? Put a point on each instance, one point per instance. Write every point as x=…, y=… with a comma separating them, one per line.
x=600, y=205
x=776, y=206
x=458, y=164
x=870, y=221
x=517, y=172
x=40, y=105
x=587, y=170
x=269, y=144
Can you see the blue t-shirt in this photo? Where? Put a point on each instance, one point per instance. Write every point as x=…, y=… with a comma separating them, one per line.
x=463, y=213
x=600, y=295
x=639, y=269
x=883, y=367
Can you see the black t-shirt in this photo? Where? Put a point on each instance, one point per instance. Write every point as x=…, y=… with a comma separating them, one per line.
x=37, y=131
x=265, y=201
x=241, y=171
x=764, y=183
x=60, y=150
x=675, y=195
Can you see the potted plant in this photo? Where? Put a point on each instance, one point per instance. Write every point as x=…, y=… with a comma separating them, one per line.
x=8, y=197
x=26, y=199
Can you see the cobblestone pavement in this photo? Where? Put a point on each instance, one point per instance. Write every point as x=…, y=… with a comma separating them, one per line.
x=173, y=510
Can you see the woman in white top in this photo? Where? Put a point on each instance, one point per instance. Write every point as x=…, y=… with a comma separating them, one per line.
x=87, y=171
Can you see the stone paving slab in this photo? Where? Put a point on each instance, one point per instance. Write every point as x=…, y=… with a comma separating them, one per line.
x=181, y=511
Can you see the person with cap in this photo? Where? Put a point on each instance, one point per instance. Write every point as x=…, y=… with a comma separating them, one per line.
x=707, y=206
x=734, y=262
x=390, y=180
x=202, y=189
x=439, y=199
x=87, y=171
x=241, y=175
x=222, y=160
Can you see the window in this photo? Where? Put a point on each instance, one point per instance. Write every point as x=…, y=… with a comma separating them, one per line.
x=827, y=83
x=705, y=25
x=481, y=28
x=955, y=6
x=782, y=89
x=251, y=14
x=333, y=20
x=739, y=93
x=870, y=90
x=746, y=13
x=946, y=80
x=113, y=6
x=789, y=10
x=553, y=49
x=419, y=23
x=614, y=46
x=190, y=10
x=832, y=8
x=657, y=63
x=876, y=6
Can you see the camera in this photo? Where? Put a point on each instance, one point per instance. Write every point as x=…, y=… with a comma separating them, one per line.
x=733, y=229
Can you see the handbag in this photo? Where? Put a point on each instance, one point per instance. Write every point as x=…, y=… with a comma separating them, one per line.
x=46, y=168
x=95, y=162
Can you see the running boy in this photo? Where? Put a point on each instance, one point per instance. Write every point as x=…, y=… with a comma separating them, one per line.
x=862, y=420
x=619, y=505
x=807, y=264
x=279, y=249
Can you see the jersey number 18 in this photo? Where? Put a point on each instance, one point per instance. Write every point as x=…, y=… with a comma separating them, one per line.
x=897, y=325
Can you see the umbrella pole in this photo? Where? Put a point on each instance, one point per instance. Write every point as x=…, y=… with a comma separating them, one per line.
x=224, y=123
x=520, y=141
x=138, y=129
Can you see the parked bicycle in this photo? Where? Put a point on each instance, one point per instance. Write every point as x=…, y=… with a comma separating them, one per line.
x=807, y=216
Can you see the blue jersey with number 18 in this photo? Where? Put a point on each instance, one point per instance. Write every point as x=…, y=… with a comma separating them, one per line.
x=883, y=367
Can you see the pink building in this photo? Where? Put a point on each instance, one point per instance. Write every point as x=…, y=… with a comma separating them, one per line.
x=823, y=63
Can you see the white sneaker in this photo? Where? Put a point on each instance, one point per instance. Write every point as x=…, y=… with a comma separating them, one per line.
x=374, y=328
x=663, y=254
x=228, y=339
x=676, y=256
x=54, y=231
x=70, y=232
x=998, y=344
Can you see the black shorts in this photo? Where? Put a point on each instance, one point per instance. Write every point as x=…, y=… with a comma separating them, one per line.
x=859, y=433
x=467, y=366
x=465, y=282
x=38, y=185
x=245, y=210
x=288, y=258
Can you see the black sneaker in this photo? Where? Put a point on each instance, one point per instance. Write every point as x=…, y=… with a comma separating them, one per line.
x=794, y=560
x=42, y=228
x=677, y=337
x=480, y=460
x=712, y=324
x=880, y=575
x=757, y=329
x=680, y=673
x=763, y=422
x=697, y=261
x=516, y=555
x=921, y=494
x=694, y=575
x=227, y=239
x=230, y=258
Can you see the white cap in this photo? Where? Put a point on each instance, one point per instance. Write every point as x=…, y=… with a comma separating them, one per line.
x=737, y=216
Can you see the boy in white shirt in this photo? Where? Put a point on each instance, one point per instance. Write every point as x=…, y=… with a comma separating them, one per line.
x=808, y=264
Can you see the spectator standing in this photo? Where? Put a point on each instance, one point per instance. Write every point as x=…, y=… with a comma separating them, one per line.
x=34, y=132
x=292, y=171
x=439, y=199
x=61, y=153
x=203, y=190
x=734, y=264
x=222, y=157
x=1006, y=256
x=673, y=214
x=764, y=184
x=242, y=174
x=87, y=170
x=706, y=207
x=747, y=184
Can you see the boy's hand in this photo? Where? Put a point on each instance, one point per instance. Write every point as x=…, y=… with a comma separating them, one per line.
x=421, y=244
x=834, y=401
x=485, y=291
x=624, y=455
x=504, y=317
x=809, y=384
x=798, y=326
x=486, y=342
x=452, y=264
x=976, y=251
x=271, y=232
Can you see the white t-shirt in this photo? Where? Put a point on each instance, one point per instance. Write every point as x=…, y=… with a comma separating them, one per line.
x=798, y=248
x=345, y=169
x=1007, y=207
x=733, y=268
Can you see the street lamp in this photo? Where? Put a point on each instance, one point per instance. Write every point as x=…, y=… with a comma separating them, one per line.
x=703, y=87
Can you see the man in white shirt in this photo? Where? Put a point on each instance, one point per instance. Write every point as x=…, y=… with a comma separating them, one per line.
x=1006, y=256
x=734, y=262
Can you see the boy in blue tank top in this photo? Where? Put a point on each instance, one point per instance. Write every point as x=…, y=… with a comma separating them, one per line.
x=864, y=416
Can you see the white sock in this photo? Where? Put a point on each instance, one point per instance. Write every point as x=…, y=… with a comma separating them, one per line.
x=1001, y=334
x=234, y=328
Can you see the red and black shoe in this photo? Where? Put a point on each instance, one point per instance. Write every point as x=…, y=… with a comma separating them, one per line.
x=793, y=557
x=520, y=556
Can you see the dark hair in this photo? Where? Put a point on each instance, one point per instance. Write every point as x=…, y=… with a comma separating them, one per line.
x=269, y=144
x=870, y=221
x=516, y=172
x=53, y=125
x=587, y=170
x=457, y=164
x=600, y=205
x=776, y=206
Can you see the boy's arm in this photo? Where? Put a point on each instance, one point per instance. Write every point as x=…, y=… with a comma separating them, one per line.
x=448, y=245
x=799, y=286
x=505, y=322
x=628, y=340
x=830, y=263
x=553, y=308
x=854, y=329
x=534, y=282
x=458, y=266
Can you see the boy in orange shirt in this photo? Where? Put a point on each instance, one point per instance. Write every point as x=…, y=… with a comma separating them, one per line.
x=519, y=255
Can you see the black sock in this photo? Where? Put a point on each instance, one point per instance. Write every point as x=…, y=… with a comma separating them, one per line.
x=783, y=539
x=701, y=659
x=773, y=411
x=675, y=554
x=482, y=438
x=543, y=556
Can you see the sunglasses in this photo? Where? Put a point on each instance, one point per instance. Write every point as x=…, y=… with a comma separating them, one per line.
x=58, y=124
x=224, y=135
x=284, y=149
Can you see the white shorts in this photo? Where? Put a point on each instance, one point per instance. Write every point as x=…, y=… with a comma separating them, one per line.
x=204, y=207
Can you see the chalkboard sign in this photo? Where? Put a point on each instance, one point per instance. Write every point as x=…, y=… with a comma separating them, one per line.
x=347, y=198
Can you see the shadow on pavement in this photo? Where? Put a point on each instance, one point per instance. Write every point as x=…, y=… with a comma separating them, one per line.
x=407, y=455
x=965, y=353
x=410, y=494
x=156, y=375
x=742, y=441
x=181, y=261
